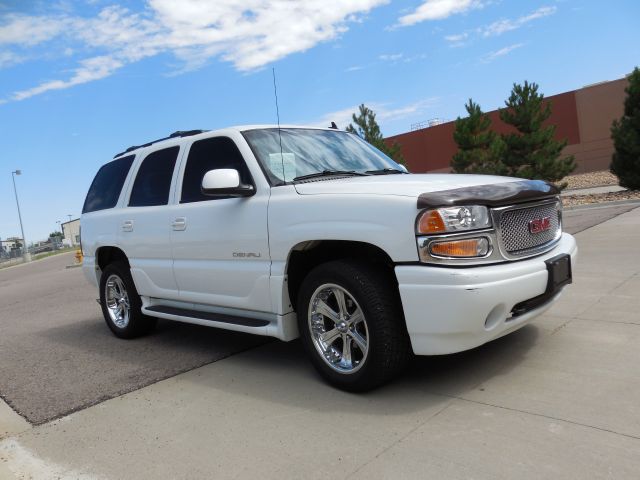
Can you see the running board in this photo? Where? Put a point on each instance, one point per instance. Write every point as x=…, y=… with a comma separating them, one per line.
x=207, y=316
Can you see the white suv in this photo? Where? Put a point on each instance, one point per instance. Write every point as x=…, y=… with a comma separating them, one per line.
x=309, y=232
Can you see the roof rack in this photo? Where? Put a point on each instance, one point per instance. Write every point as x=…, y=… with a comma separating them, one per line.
x=179, y=133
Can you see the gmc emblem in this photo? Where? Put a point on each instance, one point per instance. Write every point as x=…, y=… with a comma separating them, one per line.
x=538, y=225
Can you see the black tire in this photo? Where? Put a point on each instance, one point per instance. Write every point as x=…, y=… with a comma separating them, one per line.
x=376, y=294
x=138, y=324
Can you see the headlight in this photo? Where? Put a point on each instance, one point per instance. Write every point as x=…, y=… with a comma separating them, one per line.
x=453, y=219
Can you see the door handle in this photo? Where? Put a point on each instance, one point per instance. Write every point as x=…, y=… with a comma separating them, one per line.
x=179, y=223
x=127, y=226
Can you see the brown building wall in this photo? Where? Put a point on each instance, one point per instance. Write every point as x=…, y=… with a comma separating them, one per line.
x=597, y=107
x=582, y=117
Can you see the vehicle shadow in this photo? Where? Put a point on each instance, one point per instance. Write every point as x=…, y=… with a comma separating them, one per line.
x=98, y=366
x=280, y=373
x=61, y=369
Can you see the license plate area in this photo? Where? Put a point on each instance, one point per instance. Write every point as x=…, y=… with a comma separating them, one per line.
x=559, y=275
x=559, y=268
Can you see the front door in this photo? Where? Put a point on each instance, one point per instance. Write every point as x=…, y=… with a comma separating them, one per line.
x=220, y=245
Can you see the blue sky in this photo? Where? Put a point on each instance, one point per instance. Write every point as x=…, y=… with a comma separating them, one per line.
x=80, y=81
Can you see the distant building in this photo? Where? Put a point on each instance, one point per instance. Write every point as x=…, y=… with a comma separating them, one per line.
x=583, y=117
x=71, y=232
x=11, y=246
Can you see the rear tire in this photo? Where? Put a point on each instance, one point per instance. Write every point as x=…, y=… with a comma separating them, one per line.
x=352, y=325
x=121, y=304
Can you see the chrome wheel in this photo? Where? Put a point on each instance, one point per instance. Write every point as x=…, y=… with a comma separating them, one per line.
x=338, y=328
x=117, y=301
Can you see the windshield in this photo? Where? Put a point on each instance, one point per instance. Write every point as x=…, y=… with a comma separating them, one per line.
x=308, y=151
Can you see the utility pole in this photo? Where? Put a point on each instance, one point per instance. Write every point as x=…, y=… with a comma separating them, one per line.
x=25, y=249
x=59, y=229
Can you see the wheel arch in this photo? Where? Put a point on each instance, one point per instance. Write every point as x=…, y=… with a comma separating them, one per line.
x=108, y=254
x=304, y=256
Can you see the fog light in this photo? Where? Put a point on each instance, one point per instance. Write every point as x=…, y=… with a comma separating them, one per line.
x=470, y=247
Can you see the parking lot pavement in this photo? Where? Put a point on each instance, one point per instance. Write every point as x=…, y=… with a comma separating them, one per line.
x=57, y=355
x=582, y=217
x=556, y=399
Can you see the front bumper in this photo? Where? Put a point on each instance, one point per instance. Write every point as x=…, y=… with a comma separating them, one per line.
x=449, y=310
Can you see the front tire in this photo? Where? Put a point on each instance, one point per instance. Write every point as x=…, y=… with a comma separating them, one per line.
x=352, y=325
x=121, y=304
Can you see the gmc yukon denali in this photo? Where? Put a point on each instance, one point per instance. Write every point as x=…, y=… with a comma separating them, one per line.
x=313, y=233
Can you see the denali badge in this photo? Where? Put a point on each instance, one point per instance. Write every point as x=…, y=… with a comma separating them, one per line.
x=538, y=225
x=246, y=255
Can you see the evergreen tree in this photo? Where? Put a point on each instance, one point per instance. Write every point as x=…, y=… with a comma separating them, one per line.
x=480, y=149
x=532, y=151
x=626, y=137
x=368, y=129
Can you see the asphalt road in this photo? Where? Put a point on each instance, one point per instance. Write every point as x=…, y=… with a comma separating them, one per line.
x=57, y=355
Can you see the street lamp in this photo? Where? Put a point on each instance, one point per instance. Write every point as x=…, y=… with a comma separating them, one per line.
x=25, y=250
x=59, y=229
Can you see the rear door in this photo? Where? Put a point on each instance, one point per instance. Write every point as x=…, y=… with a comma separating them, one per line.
x=145, y=224
x=220, y=245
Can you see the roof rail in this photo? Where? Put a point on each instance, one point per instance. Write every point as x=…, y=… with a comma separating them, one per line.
x=179, y=133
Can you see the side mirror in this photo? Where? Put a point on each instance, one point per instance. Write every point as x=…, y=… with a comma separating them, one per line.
x=225, y=182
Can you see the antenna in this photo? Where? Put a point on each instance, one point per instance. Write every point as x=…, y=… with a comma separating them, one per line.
x=275, y=92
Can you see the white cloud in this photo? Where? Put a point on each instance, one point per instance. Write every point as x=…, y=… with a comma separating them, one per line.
x=27, y=30
x=384, y=112
x=501, y=53
x=437, y=10
x=391, y=57
x=456, y=38
x=194, y=31
x=90, y=69
x=502, y=26
x=8, y=59
x=499, y=27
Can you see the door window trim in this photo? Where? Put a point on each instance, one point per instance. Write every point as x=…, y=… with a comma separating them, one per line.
x=183, y=166
x=141, y=155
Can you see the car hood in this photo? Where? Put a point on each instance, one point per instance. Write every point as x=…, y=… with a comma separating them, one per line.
x=412, y=185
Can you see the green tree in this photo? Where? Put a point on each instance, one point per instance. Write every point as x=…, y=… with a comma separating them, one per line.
x=625, y=133
x=480, y=149
x=368, y=129
x=56, y=234
x=532, y=151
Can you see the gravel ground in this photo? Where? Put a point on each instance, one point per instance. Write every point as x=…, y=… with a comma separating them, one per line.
x=573, y=200
x=594, y=179
x=591, y=179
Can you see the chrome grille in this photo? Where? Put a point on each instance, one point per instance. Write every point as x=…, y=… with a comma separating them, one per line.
x=515, y=236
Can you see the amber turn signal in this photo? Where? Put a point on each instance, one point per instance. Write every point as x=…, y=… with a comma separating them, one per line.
x=471, y=247
x=431, y=222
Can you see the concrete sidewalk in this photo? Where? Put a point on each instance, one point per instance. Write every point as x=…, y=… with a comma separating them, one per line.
x=558, y=399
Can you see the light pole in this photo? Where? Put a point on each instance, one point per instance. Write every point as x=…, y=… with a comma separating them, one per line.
x=59, y=229
x=25, y=249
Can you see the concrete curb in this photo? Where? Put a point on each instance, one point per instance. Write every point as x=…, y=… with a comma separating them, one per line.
x=603, y=204
x=11, y=423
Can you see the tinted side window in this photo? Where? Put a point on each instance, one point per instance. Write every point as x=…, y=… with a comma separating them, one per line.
x=210, y=154
x=153, y=180
x=106, y=186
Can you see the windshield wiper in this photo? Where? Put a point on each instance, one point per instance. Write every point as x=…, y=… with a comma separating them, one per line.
x=385, y=171
x=327, y=173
